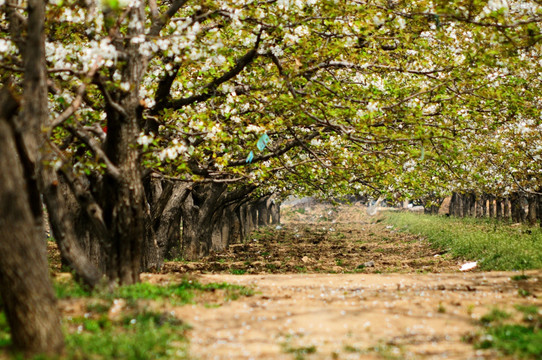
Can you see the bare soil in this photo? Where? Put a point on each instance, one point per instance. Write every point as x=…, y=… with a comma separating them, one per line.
x=316, y=300
x=324, y=239
x=334, y=283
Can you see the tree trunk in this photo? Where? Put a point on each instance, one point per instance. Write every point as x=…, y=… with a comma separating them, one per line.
x=275, y=212
x=235, y=234
x=25, y=287
x=506, y=209
x=480, y=206
x=262, y=205
x=533, y=205
x=492, y=207
x=523, y=202
x=197, y=216
x=454, y=205
x=163, y=224
x=499, y=209
x=461, y=205
x=516, y=207
x=484, y=202
x=71, y=229
x=222, y=225
x=472, y=204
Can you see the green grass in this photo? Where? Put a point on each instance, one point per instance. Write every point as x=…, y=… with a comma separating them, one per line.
x=521, y=340
x=5, y=336
x=495, y=315
x=299, y=352
x=136, y=333
x=145, y=335
x=177, y=294
x=495, y=246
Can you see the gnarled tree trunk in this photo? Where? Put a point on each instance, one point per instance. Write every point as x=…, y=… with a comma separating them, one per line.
x=25, y=287
x=163, y=224
x=197, y=217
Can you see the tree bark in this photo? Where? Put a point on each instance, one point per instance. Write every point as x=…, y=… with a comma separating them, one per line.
x=461, y=205
x=275, y=212
x=262, y=206
x=480, y=206
x=533, y=205
x=25, y=287
x=492, y=207
x=71, y=229
x=163, y=224
x=472, y=204
x=453, y=205
x=506, y=209
x=197, y=216
x=499, y=208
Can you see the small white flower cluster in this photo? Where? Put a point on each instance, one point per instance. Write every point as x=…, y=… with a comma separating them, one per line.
x=373, y=107
x=496, y=5
x=287, y=4
x=7, y=48
x=173, y=152
x=409, y=166
x=255, y=128
x=297, y=34
x=277, y=51
x=68, y=15
x=144, y=139
x=378, y=19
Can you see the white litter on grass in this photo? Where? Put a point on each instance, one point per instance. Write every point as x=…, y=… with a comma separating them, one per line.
x=469, y=266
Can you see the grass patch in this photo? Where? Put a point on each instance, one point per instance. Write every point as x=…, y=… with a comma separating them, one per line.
x=134, y=333
x=299, y=352
x=522, y=340
x=5, y=336
x=495, y=246
x=145, y=335
x=238, y=271
x=181, y=293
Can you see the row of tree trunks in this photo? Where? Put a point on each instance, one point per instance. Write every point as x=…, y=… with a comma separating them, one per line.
x=238, y=220
x=518, y=207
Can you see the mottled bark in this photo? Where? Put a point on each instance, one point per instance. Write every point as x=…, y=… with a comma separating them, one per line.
x=275, y=212
x=492, y=205
x=480, y=206
x=506, y=209
x=461, y=205
x=197, y=215
x=163, y=225
x=262, y=206
x=533, y=207
x=71, y=229
x=472, y=204
x=25, y=287
x=453, y=209
x=499, y=208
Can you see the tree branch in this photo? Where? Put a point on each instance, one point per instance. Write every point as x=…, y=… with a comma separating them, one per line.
x=91, y=142
x=160, y=21
x=210, y=89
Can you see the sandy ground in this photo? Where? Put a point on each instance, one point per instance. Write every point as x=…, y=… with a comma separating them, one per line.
x=334, y=283
x=314, y=301
x=353, y=316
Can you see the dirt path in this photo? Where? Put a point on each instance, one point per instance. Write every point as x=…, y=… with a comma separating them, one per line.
x=335, y=284
x=352, y=316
